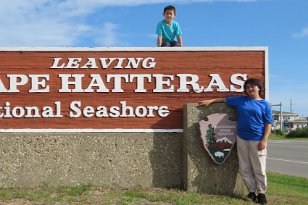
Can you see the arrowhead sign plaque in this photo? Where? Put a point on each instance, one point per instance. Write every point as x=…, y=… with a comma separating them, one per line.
x=218, y=135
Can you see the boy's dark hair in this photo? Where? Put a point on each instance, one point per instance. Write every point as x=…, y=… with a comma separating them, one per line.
x=170, y=7
x=253, y=81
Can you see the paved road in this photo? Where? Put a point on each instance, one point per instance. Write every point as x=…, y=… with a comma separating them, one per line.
x=288, y=157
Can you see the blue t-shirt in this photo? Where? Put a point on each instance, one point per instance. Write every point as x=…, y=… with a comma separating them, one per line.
x=251, y=116
x=168, y=33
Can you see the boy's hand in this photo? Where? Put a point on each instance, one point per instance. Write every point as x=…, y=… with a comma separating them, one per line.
x=205, y=102
x=159, y=40
x=261, y=145
x=180, y=41
x=208, y=102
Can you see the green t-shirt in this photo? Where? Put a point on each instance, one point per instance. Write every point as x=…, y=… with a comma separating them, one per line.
x=168, y=33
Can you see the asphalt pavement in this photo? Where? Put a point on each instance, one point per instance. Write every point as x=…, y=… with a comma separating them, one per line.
x=288, y=157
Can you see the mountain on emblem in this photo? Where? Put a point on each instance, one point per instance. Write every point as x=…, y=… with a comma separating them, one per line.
x=218, y=135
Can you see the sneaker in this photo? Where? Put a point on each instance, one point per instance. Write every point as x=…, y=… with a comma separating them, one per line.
x=262, y=199
x=251, y=196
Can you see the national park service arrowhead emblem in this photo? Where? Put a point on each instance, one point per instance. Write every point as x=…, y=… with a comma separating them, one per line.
x=218, y=135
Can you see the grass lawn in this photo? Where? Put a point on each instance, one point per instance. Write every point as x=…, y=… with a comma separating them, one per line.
x=282, y=189
x=280, y=137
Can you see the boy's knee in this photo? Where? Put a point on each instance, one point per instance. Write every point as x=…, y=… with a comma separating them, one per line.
x=174, y=44
x=165, y=44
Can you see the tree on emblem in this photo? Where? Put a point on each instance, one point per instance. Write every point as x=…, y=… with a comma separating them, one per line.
x=210, y=135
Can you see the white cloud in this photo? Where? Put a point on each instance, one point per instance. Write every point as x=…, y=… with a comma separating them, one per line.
x=43, y=32
x=36, y=23
x=301, y=34
x=109, y=35
x=82, y=6
x=152, y=35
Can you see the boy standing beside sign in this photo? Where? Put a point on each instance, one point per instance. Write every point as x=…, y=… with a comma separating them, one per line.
x=169, y=31
x=254, y=119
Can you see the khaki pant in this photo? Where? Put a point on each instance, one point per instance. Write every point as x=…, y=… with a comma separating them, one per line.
x=252, y=165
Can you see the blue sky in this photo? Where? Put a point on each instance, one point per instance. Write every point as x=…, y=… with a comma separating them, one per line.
x=282, y=25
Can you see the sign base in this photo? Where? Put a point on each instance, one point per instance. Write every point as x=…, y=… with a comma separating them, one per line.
x=201, y=174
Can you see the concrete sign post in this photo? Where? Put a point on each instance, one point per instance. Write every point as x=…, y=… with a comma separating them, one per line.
x=206, y=171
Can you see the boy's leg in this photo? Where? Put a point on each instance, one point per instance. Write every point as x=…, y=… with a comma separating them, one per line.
x=165, y=44
x=245, y=164
x=258, y=160
x=174, y=44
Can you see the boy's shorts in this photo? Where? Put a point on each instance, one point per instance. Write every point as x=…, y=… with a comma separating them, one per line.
x=170, y=44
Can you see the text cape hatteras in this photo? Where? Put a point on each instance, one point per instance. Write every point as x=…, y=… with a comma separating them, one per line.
x=218, y=136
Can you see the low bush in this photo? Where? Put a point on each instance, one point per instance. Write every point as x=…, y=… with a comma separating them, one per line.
x=298, y=133
x=278, y=132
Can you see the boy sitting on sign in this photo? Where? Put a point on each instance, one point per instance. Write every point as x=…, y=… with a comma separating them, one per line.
x=169, y=31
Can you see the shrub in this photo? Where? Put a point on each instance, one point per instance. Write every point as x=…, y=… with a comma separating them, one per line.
x=298, y=133
x=278, y=132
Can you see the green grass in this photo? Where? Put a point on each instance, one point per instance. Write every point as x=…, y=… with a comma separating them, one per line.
x=280, y=137
x=46, y=194
x=282, y=189
x=288, y=189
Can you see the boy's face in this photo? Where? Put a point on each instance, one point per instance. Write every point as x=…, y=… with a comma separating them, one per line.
x=252, y=90
x=169, y=15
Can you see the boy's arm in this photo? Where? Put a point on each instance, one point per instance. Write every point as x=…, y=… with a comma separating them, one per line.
x=208, y=102
x=180, y=40
x=159, y=40
x=267, y=132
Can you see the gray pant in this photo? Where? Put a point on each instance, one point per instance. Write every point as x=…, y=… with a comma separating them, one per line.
x=252, y=165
